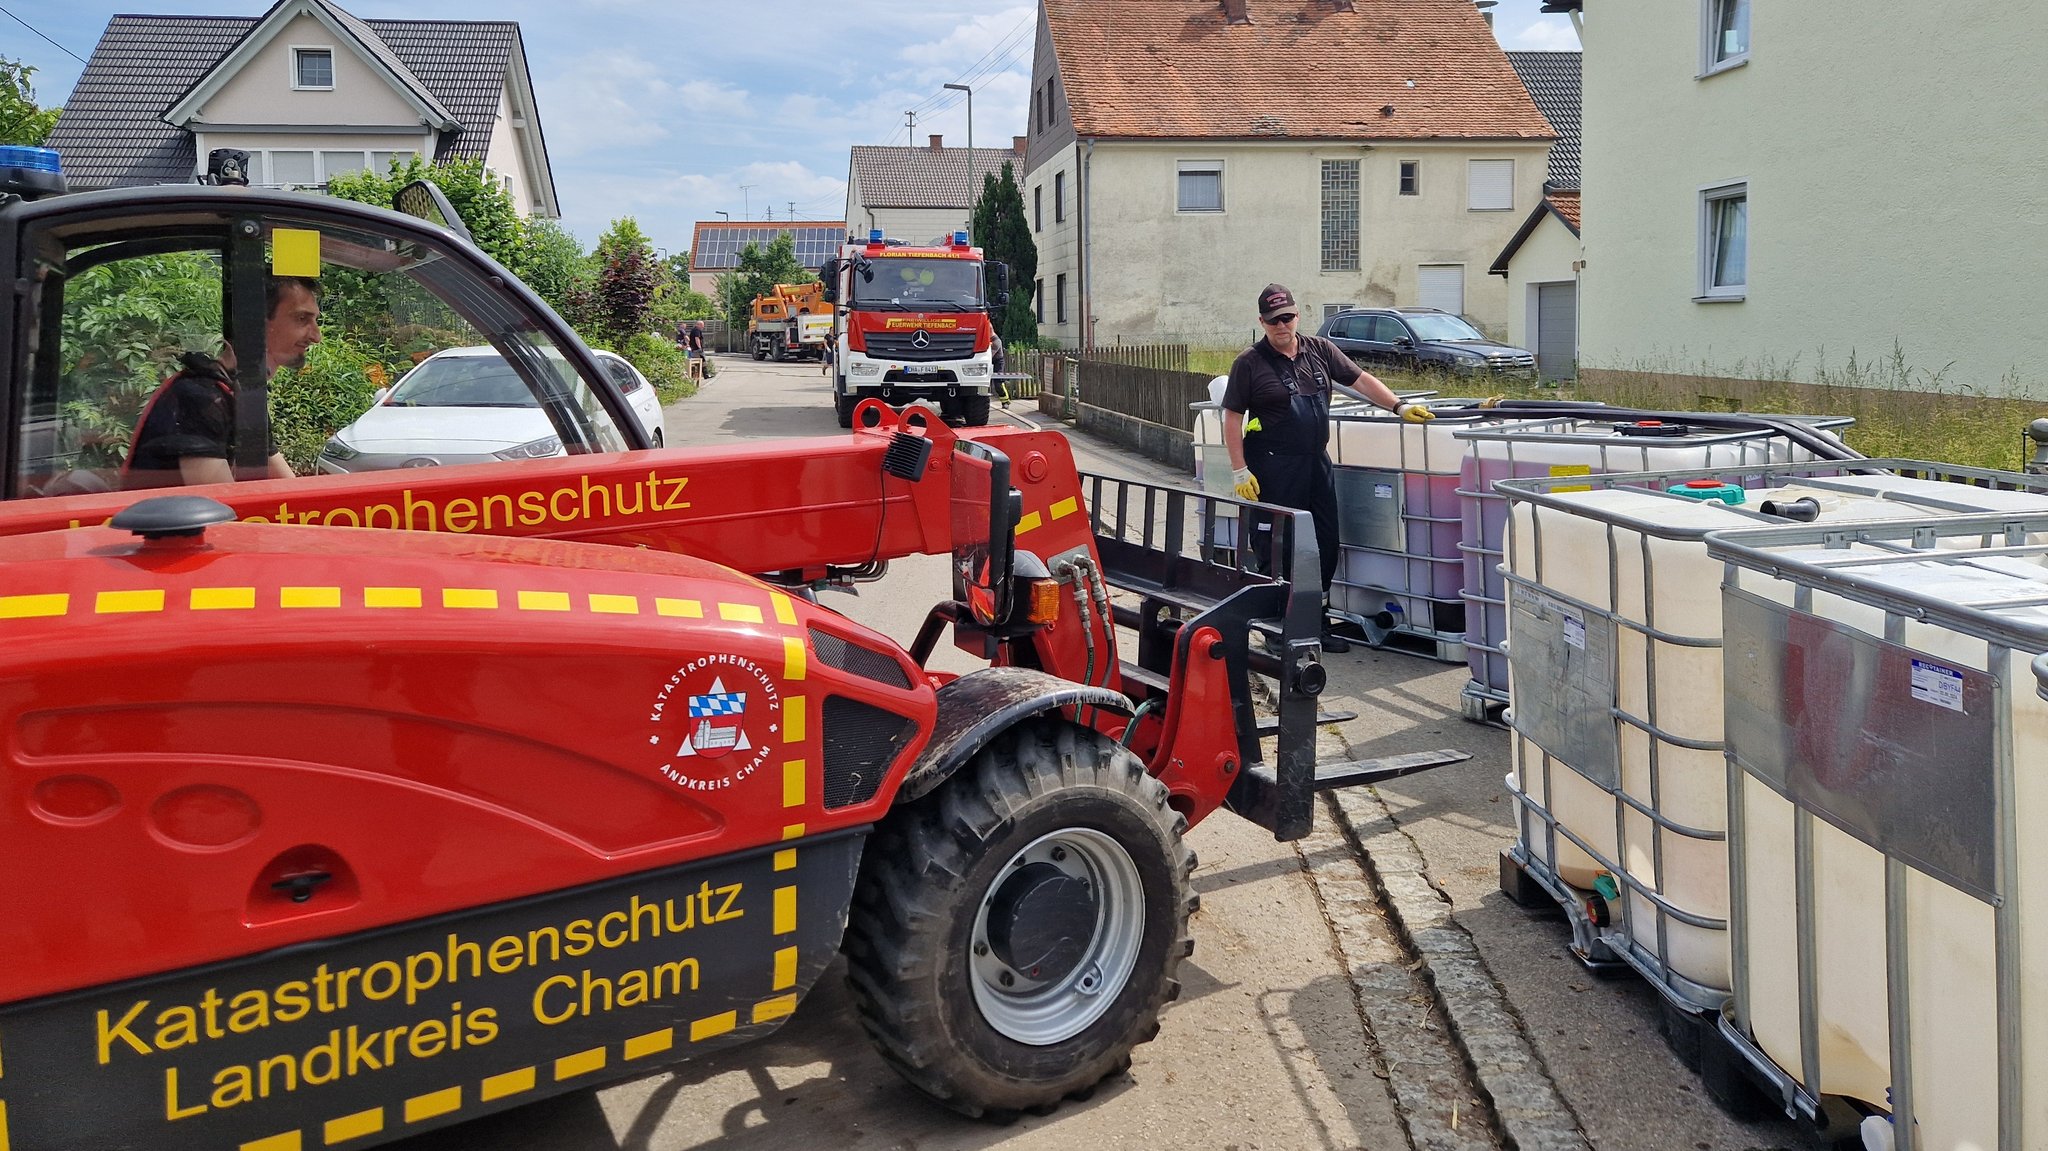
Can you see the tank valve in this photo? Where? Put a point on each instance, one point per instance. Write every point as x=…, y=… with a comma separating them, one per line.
x=2038, y=432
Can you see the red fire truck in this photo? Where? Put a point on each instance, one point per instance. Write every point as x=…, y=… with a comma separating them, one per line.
x=913, y=323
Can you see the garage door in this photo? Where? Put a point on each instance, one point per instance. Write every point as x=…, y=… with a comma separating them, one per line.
x=1441, y=286
x=1557, y=329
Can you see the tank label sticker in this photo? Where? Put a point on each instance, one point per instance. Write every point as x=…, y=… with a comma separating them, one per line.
x=1938, y=685
x=1383, y=491
x=715, y=722
x=1575, y=632
x=427, y=1023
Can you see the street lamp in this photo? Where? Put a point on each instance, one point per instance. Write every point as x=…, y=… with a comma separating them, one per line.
x=970, y=154
x=746, y=200
x=723, y=212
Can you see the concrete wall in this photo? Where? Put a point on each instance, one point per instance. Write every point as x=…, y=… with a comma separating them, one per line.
x=262, y=93
x=1898, y=192
x=1545, y=257
x=1166, y=275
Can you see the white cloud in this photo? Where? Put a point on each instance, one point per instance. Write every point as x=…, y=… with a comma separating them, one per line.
x=610, y=100
x=1543, y=35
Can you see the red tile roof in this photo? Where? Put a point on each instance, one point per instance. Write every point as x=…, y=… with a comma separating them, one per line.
x=1172, y=69
x=1567, y=205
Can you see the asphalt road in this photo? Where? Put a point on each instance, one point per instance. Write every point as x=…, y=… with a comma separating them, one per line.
x=1304, y=1023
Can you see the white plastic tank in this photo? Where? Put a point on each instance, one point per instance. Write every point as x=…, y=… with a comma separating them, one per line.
x=1888, y=876
x=1568, y=446
x=1615, y=643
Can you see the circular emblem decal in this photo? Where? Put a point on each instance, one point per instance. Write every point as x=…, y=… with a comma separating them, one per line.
x=713, y=721
x=920, y=339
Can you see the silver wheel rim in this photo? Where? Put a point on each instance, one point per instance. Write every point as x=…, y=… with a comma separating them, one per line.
x=1044, y=1013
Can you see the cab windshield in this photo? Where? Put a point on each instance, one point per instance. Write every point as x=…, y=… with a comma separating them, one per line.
x=918, y=283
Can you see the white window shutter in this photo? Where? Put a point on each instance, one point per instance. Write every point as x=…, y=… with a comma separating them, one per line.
x=1441, y=286
x=1490, y=184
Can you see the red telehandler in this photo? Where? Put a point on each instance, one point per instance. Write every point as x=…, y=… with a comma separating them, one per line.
x=342, y=807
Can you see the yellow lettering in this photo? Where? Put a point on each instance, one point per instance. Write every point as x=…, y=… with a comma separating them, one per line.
x=120, y=1031
x=414, y=981
x=334, y=517
x=429, y=1037
x=594, y=983
x=176, y=1027
x=508, y=952
x=632, y=988
x=332, y=1051
x=171, y=1109
x=481, y=1026
x=540, y=1011
x=580, y=940
x=390, y=515
x=675, y=970
x=232, y=1085
x=591, y=498
x=492, y=502
x=283, y=1063
x=674, y=502
x=391, y=980
x=476, y=959
x=248, y=1011
x=555, y=504
x=293, y=1001
x=412, y=505
x=533, y=512
x=604, y=936
x=725, y=909
x=465, y=509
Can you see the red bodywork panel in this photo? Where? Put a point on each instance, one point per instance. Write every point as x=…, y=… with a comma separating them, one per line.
x=440, y=721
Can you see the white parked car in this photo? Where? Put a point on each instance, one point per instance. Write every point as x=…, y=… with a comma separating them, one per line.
x=467, y=406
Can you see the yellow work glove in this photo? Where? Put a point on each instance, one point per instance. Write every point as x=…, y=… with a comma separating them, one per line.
x=1252, y=425
x=1246, y=483
x=1414, y=413
x=1492, y=401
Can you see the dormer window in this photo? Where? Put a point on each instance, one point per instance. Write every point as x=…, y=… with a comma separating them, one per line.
x=313, y=68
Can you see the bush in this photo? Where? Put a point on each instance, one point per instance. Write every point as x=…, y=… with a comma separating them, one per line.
x=312, y=403
x=664, y=365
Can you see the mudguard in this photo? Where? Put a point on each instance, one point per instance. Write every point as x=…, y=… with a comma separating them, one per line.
x=976, y=707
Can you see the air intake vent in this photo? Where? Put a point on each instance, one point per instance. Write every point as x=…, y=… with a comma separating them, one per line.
x=861, y=741
x=857, y=660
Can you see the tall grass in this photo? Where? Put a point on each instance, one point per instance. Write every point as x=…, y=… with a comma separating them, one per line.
x=1900, y=409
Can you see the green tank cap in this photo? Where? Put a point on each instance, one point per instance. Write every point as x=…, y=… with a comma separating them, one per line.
x=1727, y=493
x=1608, y=889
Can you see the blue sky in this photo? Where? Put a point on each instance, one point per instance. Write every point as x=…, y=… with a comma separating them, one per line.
x=672, y=110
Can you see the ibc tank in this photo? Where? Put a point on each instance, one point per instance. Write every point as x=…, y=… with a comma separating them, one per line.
x=1615, y=645
x=1888, y=876
x=1567, y=446
x=1400, y=523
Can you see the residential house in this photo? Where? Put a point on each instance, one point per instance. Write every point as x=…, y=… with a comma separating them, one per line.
x=1778, y=186
x=1183, y=153
x=919, y=194
x=310, y=92
x=1541, y=263
x=715, y=245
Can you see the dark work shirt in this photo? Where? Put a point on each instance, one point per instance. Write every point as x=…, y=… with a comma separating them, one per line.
x=1263, y=382
x=192, y=414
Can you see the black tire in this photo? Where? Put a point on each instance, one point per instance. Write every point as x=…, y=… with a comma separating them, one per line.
x=926, y=946
x=843, y=405
x=974, y=410
x=760, y=353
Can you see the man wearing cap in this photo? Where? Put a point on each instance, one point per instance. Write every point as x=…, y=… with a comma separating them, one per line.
x=1283, y=382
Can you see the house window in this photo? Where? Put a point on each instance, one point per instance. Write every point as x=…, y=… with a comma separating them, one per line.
x=1724, y=34
x=1039, y=295
x=380, y=162
x=1059, y=197
x=1441, y=286
x=1052, y=103
x=1490, y=185
x=1059, y=298
x=313, y=68
x=334, y=164
x=1199, y=186
x=1330, y=310
x=1724, y=242
x=1411, y=177
x=1038, y=208
x=1340, y=215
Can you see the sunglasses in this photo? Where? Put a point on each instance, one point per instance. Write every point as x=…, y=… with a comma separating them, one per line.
x=1276, y=321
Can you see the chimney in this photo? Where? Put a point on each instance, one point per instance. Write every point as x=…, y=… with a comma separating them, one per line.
x=1237, y=11
x=1018, y=144
x=938, y=141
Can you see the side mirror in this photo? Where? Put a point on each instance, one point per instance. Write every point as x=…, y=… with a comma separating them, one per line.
x=998, y=278
x=380, y=396
x=1403, y=342
x=1000, y=300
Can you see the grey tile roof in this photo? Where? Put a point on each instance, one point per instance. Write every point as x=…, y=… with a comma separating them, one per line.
x=1552, y=79
x=112, y=132
x=892, y=177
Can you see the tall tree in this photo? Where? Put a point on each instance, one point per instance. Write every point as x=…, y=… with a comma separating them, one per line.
x=757, y=272
x=1004, y=234
x=553, y=265
x=21, y=121
x=627, y=274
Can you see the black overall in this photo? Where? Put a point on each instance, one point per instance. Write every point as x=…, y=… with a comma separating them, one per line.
x=1289, y=459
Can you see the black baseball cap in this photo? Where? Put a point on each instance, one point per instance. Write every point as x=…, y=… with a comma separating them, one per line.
x=1275, y=300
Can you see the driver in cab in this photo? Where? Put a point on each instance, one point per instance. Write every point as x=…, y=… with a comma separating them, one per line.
x=187, y=431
